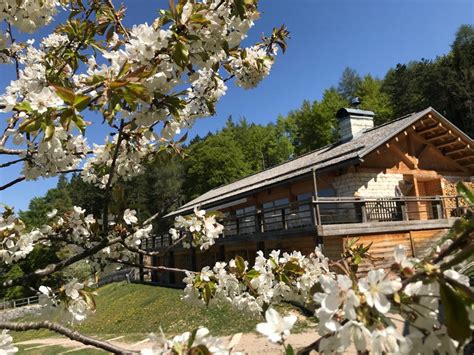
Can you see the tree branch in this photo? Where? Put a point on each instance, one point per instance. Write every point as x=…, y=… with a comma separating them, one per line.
x=150, y=267
x=117, y=20
x=105, y=212
x=22, y=178
x=313, y=346
x=11, y=183
x=8, y=151
x=61, y=265
x=71, y=334
x=4, y=165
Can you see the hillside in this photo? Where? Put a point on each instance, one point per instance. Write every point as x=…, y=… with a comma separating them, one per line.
x=136, y=310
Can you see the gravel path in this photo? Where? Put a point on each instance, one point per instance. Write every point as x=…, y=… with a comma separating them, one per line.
x=252, y=344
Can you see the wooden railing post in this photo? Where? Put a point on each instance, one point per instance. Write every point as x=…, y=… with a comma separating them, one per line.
x=439, y=208
x=283, y=219
x=316, y=214
x=363, y=211
x=258, y=221
x=458, y=209
x=140, y=270
x=403, y=207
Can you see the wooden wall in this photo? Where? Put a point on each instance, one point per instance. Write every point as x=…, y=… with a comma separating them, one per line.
x=416, y=243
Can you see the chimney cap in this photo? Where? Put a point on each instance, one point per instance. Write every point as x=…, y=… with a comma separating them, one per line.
x=354, y=112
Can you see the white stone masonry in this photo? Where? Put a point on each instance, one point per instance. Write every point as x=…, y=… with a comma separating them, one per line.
x=367, y=184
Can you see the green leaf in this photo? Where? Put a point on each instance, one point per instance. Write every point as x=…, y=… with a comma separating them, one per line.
x=459, y=257
x=30, y=125
x=252, y=274
x=240, y=264
x=66, y=117
x=180, y=54
x=239, y=6
x=198, y=18
x=81, y=102
x=293, y=267
x=139, y=91
x=87, y=296
x=455, y=314
x=117, y=84
x=49, y=132
x=289, y=350
x=124, y=69
x=79, y=121
x=466, y=193
x=23, y=106
x=65, y=93
x=191, y=338
x=207, y=293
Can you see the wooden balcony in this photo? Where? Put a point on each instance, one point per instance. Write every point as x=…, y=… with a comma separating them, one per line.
x=327, y=216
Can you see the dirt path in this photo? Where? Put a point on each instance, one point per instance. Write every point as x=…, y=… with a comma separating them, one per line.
x=250, y=343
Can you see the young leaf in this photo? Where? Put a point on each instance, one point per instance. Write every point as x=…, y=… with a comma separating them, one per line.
x=180, y=54
x=81, y=102
x=49, y=132
x=23, y=106
x=240, y=263
x=65, y=93
x=455, y=314
x=30, y=125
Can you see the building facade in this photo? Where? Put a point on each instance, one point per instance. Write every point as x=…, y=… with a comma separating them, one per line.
x=387, y=185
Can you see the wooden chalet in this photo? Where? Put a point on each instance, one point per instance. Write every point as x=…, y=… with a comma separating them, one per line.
x=392, y=184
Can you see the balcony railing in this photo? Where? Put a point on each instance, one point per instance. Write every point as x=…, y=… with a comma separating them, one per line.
x=332, y=211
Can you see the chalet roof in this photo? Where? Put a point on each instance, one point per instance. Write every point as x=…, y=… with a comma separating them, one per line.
x=330, y=157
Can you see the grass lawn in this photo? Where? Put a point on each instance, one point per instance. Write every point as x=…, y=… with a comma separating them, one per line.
x=132, y=311
x=135, y=310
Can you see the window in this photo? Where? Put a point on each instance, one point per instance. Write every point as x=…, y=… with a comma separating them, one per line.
x=246, y=220
x=274, y=214
x=300, y=216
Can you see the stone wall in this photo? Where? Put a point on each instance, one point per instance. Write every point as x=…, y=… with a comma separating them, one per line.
x=367, y=184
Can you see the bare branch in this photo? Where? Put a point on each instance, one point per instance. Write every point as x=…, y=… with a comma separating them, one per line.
x=157, y=268
x=105, y=213
x=4, y=165
x=11, y=183
x=8, y=151
x=117, y=20
x=61, y=265
x=71, y=334
x=22, y=178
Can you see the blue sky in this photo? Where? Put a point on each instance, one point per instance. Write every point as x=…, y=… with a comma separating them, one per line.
x=326, y=36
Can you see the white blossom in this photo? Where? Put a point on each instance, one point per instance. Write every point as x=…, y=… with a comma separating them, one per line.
x=276, y=327
x=72, y=289
x=129, y=216
x=6, y=343
x=375, y=288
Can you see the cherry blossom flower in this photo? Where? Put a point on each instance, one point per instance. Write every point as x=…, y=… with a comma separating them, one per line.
x=6, y=343
x=375, y=288
x=72, y=288
x=276, y=327
x=389, y=341
x=129, y=216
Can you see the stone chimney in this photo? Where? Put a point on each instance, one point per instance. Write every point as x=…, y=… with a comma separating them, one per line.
x=353, y=122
